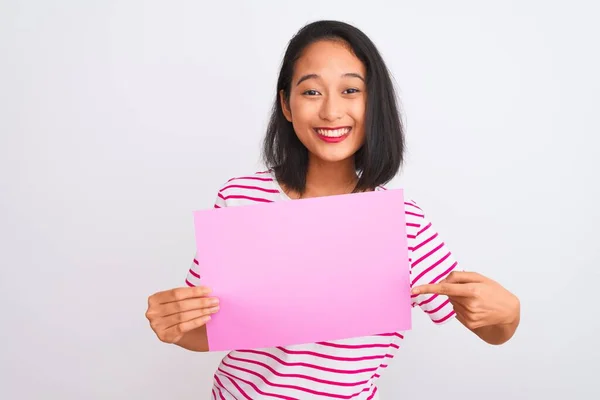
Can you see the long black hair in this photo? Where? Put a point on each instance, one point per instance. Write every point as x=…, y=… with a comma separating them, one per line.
x=380, y=157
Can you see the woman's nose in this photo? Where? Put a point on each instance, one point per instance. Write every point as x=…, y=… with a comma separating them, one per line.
x=331, y=109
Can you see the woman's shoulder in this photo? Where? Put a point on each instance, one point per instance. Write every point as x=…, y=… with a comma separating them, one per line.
x=244, y=189
x=262, y=177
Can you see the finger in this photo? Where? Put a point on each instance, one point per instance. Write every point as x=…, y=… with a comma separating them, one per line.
x=179, y=318
x=472, y=302
x=460, y=309
x=443, y=288
x=468, y=319
x=187, y=305
x=176, y=332
x=464, y=277
x=178, y=294
x=462, y=319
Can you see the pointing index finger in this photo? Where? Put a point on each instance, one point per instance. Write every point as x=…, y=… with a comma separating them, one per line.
x=444, y=288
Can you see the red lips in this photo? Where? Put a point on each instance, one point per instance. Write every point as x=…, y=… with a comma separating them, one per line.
x=333, y=139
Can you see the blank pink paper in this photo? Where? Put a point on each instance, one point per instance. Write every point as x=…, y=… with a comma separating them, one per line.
x=304, y=271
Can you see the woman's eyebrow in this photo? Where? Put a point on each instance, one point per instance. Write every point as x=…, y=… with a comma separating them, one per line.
x=354, y=75
x=315, y=76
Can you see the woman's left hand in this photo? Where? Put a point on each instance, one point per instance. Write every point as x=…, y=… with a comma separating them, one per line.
x=479, y=302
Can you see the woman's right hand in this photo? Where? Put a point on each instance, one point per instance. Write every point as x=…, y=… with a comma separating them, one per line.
x=173, y=313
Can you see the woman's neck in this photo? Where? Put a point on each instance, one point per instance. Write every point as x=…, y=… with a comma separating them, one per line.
x=328, y=179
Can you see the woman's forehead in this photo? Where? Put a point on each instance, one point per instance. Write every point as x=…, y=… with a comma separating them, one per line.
x=328, y=59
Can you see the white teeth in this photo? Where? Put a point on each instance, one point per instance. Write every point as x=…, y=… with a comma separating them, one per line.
x=333, y=133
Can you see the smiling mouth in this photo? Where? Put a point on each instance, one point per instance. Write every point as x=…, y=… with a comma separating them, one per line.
x=333, y=135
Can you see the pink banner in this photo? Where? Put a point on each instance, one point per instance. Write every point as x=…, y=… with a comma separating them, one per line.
x=304, y=271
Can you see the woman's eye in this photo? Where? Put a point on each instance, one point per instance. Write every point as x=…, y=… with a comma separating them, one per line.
x=351, y=91
x=311, y=93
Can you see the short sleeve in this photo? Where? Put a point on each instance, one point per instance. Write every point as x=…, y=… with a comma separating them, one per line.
x=430, y=262
x=193, y=277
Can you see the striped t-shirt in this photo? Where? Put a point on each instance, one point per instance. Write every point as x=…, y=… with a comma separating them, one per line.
x=342, y=369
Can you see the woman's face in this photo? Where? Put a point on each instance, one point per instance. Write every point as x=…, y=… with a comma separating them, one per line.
x=328, y=100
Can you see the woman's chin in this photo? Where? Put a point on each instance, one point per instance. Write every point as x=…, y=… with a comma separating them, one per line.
x=332, y=156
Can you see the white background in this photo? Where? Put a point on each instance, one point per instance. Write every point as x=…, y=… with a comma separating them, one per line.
x=119, y=118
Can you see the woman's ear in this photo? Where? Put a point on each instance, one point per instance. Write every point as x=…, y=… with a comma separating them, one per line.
x=285, y=106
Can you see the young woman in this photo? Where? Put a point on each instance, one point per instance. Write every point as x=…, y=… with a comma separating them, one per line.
x=335, y=129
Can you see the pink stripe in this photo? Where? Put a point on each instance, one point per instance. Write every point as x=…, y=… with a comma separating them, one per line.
x=391, y=334
x=219, y=381
x=251, y=188
x=426, y=301
x=214, y=395
x=190, y=284
x=424, y=229
x=438, y=308
x=441, y=260
x=446, y=272
x=196, y=262
x=194, y=274
x=372, y=394
x=219, y=388
x=413, y=225
x=217, y=206
x=239, y=388
x=256, y=178
x=439, y=321
x=411, y=236
x=414, y=214
x=256, y=388
x=423, y=243
x=312, y=353
x=407, y=203
x=239, y=196
x=307, y=365
x=293, y=387
x=417, y=262
x=358, y=346
x=307, y=377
